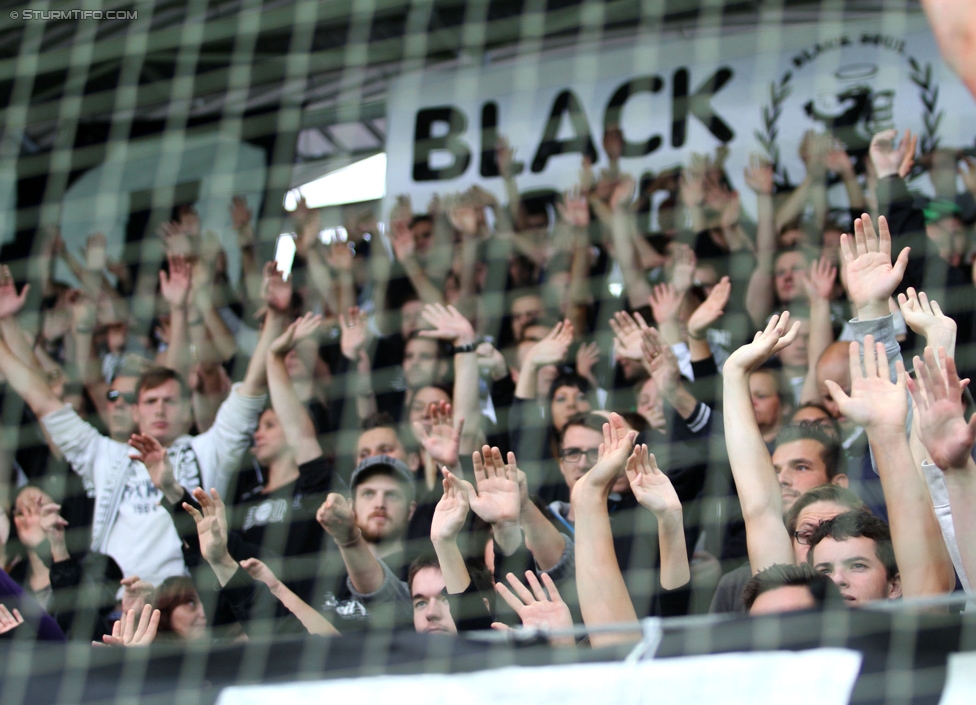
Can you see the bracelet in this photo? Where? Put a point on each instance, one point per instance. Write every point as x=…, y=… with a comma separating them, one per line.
x=84, y=331
x=468, y=348
x=352, y=542
x=198, y=322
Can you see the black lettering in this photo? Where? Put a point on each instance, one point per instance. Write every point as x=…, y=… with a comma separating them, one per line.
x=698, y=104
x=489, y=140
x=424, y=143
x=565, y=103
x=615, y=108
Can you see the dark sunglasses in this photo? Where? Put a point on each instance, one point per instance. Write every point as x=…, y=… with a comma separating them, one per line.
x=113, y=395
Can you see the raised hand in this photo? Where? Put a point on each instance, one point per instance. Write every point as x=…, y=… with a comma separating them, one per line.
x=759, y=175
x=875, y=402
x=125, y=632
x=439, y=435
x=764, y=345
x=574, y=209
x=340, y=257
x=925, y=318
x=211, y=523
x=451, y=510
x=352, y=333
x=871, y=277
x=552, y=349
x=10, y=301
x=83, y=311
x=887, y=159
x=504, y=155
x=710, y=310
x=693, y=181
x=448, y=323
x=9, y=621
x=660, y=359
x=297, y=331
x=151, y=453
x=938, y=402
x=403, y=242
x=651, y=487
x=623, y=192
x=618, y=442
x=135, y=593
x=276, y=291
x=536, y=609
x=587, y=356
x=497, y=500
x=665, y=302
x=53, y=526
x=627, y=332
x=819, y=281
x=337, y=518
x=261, y=572
x=175, y=285
x=683, y=269
x=95, y=257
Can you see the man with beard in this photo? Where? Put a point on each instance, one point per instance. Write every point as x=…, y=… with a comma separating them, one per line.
x=369, y=532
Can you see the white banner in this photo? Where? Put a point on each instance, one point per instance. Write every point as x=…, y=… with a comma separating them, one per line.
x=756, y=90
x=827, y=677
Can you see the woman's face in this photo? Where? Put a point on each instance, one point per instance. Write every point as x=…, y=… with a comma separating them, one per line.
x=420, y=406
x=651, y=406
x=566, y=402
x=188, y=620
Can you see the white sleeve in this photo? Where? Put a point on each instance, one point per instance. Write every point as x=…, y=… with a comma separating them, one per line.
x=219, y=450
x=83, y=446
x=940, y=500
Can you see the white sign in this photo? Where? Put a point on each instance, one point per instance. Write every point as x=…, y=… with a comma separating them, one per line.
x=757, y=90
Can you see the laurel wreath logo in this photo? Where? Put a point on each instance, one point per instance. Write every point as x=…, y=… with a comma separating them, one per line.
x=921, y=76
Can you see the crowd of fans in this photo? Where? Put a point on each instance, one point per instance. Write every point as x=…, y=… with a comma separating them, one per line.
x=541, y=412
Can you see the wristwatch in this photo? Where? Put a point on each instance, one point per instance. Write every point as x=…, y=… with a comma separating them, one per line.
x=470, y=347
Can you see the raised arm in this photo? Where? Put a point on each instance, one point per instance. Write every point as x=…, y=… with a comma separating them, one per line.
x=277, y=294
x=819, y=282
x=292, y=414
x=871, y=276
x=949, y=440
x=550, y=350
x=882, y=408
x=603, y=596
x=755, y=479
x=759, y=293
x=365, y=570
x=654, y=491
x=174, y=286
x=495, y=497
x=310, y=618
x=449, y=324
x=448, y=520
x=29, y=383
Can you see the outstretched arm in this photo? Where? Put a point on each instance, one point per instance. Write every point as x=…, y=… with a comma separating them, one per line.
x=654, y=491
x=882, y=407
x=448, y=520
x=365, y=571
x=603, y=595
x=278, y=300
x=292, y=414
x=310, y=618
x=949, y=440
x=759, y=491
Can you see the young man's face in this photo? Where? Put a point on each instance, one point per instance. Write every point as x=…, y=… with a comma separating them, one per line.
x=855, y=568
x=120, y=421
x=162, y=412
x=764, y=393
x=382, y=508
x=582, y=439
x=420, y=364
x=800, y=467
x=380, y=441
x=524, y=310
x=431, y=611
x=788, y=268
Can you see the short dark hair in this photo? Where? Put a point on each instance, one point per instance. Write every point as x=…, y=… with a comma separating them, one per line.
x=822, y=588
x=828, y=420
x=424, y=560
x=157, y=376
x=823, y=493
x=852, y=525
x=830, y=453
x=586, y=419
x=567, y=379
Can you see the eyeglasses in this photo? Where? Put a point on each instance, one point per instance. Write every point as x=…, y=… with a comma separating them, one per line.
x=803, y=537
x=574, y=455
x=113, y=395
